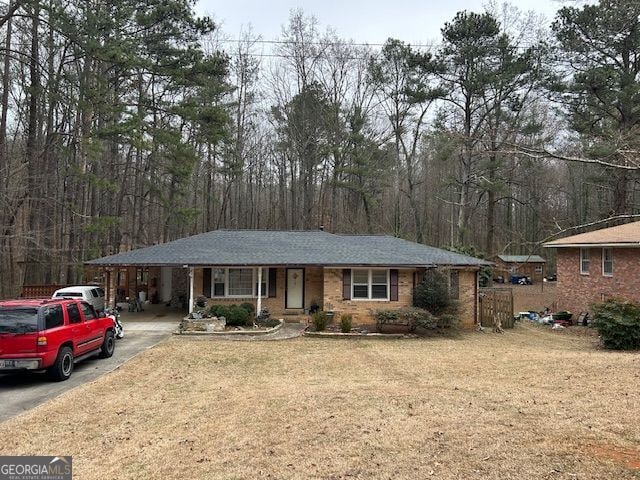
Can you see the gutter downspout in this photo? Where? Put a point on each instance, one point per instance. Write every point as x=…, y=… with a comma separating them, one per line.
x=190, y=289
x=259, y=301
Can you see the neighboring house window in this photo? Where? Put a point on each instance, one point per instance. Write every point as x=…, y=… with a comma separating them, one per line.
x=607, y=262
x=370, y=284
x=584, y=261
x=454, y=284
x=238, y=282
x=538, y=268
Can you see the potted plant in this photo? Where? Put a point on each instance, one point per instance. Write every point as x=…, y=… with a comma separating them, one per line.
x=201, y=301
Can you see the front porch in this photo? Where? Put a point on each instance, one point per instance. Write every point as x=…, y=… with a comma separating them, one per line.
x=284, y=291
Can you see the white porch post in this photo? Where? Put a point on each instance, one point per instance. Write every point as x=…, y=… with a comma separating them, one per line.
x=190, y=289
x=259, y=302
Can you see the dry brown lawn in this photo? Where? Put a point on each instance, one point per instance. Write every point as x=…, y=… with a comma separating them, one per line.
x=529, y=404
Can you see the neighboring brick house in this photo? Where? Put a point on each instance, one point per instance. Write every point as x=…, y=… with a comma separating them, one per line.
x=598, y=265
x=356, y=274
x=531, y=266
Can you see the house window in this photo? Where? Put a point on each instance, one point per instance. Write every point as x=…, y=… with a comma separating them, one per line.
x=454, y=284
x=218, y=282
x=238, y=282
x=379, y=284
x=607, y=262
x=370, y=284
x=584, y=261
x=360, y=283
x=538, y=268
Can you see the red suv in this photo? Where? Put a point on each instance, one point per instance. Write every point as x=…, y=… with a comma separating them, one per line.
x=52, y=335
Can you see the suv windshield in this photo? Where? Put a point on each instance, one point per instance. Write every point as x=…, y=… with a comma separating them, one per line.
x=18, y=320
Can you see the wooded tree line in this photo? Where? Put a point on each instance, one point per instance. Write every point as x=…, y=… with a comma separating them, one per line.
x=126, y=123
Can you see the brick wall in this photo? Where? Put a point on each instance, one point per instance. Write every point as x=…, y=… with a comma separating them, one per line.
x=576, y=291
x=467, y=300
x=362, y=310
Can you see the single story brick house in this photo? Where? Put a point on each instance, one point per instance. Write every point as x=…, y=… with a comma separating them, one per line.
x=529, y=265
x=289, y=271
x=598, y=265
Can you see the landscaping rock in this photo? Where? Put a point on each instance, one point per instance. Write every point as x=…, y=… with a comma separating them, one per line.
x=217, y=325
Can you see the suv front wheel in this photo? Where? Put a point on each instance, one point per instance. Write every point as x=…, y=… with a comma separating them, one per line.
x=108, y=345
x=62, y=369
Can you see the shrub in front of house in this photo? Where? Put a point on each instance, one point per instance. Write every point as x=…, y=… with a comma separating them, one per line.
x=346, y=320
x=618, y=323
x=411, y=317
x=248, y=306
x=236, y=316
x=432, y=293
x=320, y=320
x=218, y=310
x=268, y=322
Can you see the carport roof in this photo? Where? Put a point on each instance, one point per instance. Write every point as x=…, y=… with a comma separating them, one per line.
x=273, y=248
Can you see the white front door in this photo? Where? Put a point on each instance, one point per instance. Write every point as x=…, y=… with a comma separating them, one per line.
x=295, y=288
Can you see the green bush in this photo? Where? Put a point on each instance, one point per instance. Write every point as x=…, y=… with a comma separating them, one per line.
x=268, y=322
x=236, y=316
x=446, y=320
x=218, y=310
x=248, y=306
x=320, y=320
x=411, y=317
x=618, y=323
x=345, y=323
x=432, y=293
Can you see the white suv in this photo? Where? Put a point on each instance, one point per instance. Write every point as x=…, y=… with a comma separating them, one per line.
x=90, y=294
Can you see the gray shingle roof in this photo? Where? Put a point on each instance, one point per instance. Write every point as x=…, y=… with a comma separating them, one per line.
x=522, y=258
x=267, y=247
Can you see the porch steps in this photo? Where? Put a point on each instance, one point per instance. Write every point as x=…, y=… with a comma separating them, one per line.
x=295, y=316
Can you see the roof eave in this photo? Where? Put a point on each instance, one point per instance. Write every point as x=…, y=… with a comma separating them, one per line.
x=265, y=265
x=593, y=244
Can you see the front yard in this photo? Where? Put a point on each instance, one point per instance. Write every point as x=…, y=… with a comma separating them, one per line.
x=527, y=404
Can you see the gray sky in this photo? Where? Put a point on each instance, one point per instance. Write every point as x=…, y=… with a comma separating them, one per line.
x=371, y=21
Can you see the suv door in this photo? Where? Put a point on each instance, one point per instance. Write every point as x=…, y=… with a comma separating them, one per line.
x=94, y=334
x=77, y=328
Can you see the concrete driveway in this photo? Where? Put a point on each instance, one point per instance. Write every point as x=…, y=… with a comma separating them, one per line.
x=19, y=393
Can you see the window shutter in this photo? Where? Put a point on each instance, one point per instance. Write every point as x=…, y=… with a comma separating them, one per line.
x=272, y=282
x=206, y=282
x=346, y=284
x=393, y=278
